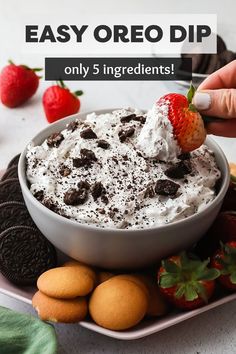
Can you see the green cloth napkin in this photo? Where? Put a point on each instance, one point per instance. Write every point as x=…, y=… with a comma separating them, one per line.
x=25, y=334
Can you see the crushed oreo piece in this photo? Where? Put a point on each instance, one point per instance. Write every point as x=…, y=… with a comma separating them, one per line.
x=72, y=126
x=104, y=199
x=75, y=196
x=139, y=154
x=123, y=134
x=140, y=119
x=80, y=162
x=101, y=211
x=115, y=159
x=88, y=154
x=184, y=156
x=48, y=203
x=55, y=140
x=88, y=134
x=103, y=144
x=179, y=170
x=87, y=158
x=65, y=171
x=36, y=162
x=166, y=187
x=111, y=213
x=97, y=190
x=127, y=119
x=125, y=157
x=39, y=195
x=84, y=184
x=149, y=192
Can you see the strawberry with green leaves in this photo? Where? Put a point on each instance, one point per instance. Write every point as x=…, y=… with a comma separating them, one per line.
x=17, y=84
x=223, y=230
x=225, y=260
x=60, y=102
x=187, y=282
x=187, y=123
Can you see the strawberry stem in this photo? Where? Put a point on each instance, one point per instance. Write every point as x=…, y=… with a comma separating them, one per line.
x=11, y=62
x=61, y=83
x=26, y=66
x=37, y=69
x=191, y=93
x=192, y=108
x=78, y=93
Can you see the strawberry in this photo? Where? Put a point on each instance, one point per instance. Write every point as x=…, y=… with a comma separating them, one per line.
x=229, y=202
x=225, y=260
x=17, y=84
x=223, y=229
x=60, y=102
x=186, y=282
x=187, y=123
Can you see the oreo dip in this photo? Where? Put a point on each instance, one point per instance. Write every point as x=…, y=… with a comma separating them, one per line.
x=122, y=170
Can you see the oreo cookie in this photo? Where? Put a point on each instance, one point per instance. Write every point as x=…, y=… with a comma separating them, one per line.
x=226, y=57
x=14, y=161
x=11, y=172
x=14, y=214
x=204, y=63
x=25, y=254
x=208, y=63
x=10, y=191
x=213, y=65
x=196, y=62
x=221, y=46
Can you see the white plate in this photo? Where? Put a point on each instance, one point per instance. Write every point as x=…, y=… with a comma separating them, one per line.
x=145, y=328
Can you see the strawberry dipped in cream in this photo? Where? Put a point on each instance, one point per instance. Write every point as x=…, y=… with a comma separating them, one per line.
x=173, y=126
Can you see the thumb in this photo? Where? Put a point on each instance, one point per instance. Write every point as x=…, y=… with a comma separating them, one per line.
x=219, y=103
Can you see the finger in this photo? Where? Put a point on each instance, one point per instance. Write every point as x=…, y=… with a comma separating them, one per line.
x=217, y=103
x=222, y=78
x=227, y=128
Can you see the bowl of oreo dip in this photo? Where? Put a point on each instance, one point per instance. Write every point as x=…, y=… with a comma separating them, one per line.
x=112, y=189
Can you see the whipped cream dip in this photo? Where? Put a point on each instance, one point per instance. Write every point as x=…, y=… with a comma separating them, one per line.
x=122, y=169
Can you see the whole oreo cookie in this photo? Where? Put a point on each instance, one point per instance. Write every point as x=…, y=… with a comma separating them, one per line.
x=25, y=254
x=196, y=61
x=214, y=64
x=11, y=172
x=227, y=56
x=204, y=63
x=14, y=161
x=14, y=214
x=221, y=46
x=10, y=191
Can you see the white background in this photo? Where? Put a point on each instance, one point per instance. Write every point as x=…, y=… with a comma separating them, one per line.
x=213, y=332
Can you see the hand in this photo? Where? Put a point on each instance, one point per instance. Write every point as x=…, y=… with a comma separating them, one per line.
x=216, y=97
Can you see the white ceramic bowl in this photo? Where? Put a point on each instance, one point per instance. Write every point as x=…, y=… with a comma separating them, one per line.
x=114, y=248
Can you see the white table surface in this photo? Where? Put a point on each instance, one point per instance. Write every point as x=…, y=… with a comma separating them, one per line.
x=212, y=332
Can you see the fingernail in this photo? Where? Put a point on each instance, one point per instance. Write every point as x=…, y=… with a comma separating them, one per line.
x=202, y=100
